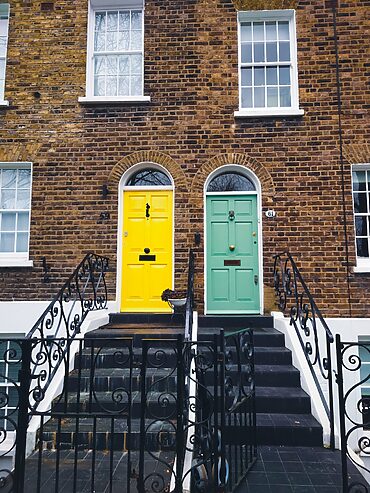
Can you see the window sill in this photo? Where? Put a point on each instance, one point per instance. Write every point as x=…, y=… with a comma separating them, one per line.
x=268, y=113
x=361, y=269
x=4, y=103
x=15, y=262
x=113, y=99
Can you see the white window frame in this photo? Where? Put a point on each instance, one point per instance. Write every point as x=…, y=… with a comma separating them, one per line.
x=5, y=11
x=103, y=5
x=18, y=259
x=263, y=16
x=362, y=263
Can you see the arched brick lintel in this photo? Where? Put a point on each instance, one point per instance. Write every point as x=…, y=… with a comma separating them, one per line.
x=13, y=153
x=357, y=153
x=151, y=157
x=267, y=184
x=265, y=4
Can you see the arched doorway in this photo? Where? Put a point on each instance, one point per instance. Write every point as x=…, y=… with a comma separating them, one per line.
x=233, y=260
x=146, y=238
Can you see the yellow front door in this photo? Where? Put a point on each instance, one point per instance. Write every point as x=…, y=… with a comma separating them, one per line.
x=147, y=250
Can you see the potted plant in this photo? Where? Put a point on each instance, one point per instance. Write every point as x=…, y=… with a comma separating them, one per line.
x=176, y=299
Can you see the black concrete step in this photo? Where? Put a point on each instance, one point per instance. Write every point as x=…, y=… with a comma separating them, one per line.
x=235, y=321
x=288, y=429
x=277, y=375
x=272, y=356
x=282, y=400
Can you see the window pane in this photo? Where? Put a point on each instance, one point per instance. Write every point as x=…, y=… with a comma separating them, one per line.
x=124, y=68
x=258, y=31
x=259, y=52
x=2, y=69
x=99, y=42
x=285, y=99
x=361, y=225
x=136, y=64
x=23, y=221
x=259, y=76
x=100, y=21
x=148, y=177
x=136, y=89
x=271, y=75
x=23, y=199
x=284, y=75
x=359, y=181
x=111, y=41
x=230, y=182
x=22, y=242
x=246, y=74
x=246, y=54
x=111, y=87
x=99, y=65
x=123, y=40
x=112, y=21
x=247, y=98
x=99, y=86
x=24, y=178
x=111, y=68
x=124, y=21
x=360, y=202
x=7, y=241
x=259, y=97
x=272, y=97
x=4, y=27
x=271, y=52
x=136, y=40
x=7, y=199
x=246, y=32
x=9, y=178
x=136, y=22
x=123, y=86
x=3, y=42
x=271, y=30
x=283, y=30
x=362, y=245
x=8, y=221
x=284, y=52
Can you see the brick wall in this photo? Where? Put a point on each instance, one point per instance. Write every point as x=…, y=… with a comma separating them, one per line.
x=189, y=127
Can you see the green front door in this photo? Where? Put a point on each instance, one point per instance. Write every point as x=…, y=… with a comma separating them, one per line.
x=232, y=254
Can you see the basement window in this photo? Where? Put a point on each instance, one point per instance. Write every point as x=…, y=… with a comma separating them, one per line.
x=361, y=210
x=15, y=211
x=4, y=29
x=115, y=52
x=268, y=79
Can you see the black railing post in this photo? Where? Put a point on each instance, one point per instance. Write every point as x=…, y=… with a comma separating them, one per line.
x=222, y=409
x=21, y=432
x=180, y=422
x=330, y=389
x=342, y=418
x=143, y=406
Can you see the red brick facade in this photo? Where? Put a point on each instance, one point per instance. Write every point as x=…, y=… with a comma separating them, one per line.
x=189, y=127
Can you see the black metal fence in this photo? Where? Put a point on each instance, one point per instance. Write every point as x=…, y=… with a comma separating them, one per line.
x=353, y=379
x=312, y=330
x=150, y=415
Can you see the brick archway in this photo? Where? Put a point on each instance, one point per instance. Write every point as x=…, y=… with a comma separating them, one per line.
x=178, y=175
x=267, y=184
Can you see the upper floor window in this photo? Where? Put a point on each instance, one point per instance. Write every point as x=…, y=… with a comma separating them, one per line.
x=4, y=27
x=115, y=52
x=268, y=81
x=15, y=210
x=361, y=208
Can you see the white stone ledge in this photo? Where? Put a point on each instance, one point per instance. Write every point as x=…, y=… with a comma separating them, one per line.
x=268, y=113
x=361, y=270
x=113, y=99
x=15, y=263
x=4, y=103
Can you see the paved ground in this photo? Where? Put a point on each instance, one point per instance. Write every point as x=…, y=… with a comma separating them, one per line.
x=297, y=470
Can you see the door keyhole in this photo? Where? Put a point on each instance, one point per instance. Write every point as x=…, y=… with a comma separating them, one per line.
x=147, y=210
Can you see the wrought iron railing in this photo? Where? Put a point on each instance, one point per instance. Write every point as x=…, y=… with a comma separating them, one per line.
x=353, y=378
x=84, y=291
x=313, y=332
x=189, y=306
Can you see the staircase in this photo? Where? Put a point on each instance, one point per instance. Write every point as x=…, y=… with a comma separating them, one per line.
x=283, y=408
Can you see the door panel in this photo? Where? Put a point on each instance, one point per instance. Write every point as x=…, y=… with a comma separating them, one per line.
x=143, y=279
x=232, y=254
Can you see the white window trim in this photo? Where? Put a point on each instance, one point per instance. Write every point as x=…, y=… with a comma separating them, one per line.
x=362, y=264
x=271, y=15
x=4, y=102
x=17, y=259
x=95, y=6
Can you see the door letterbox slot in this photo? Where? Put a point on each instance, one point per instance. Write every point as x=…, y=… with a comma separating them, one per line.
x=147, y=258
x=229, y=263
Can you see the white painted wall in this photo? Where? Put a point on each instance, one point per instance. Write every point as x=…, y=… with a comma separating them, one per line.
x=350, y=330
